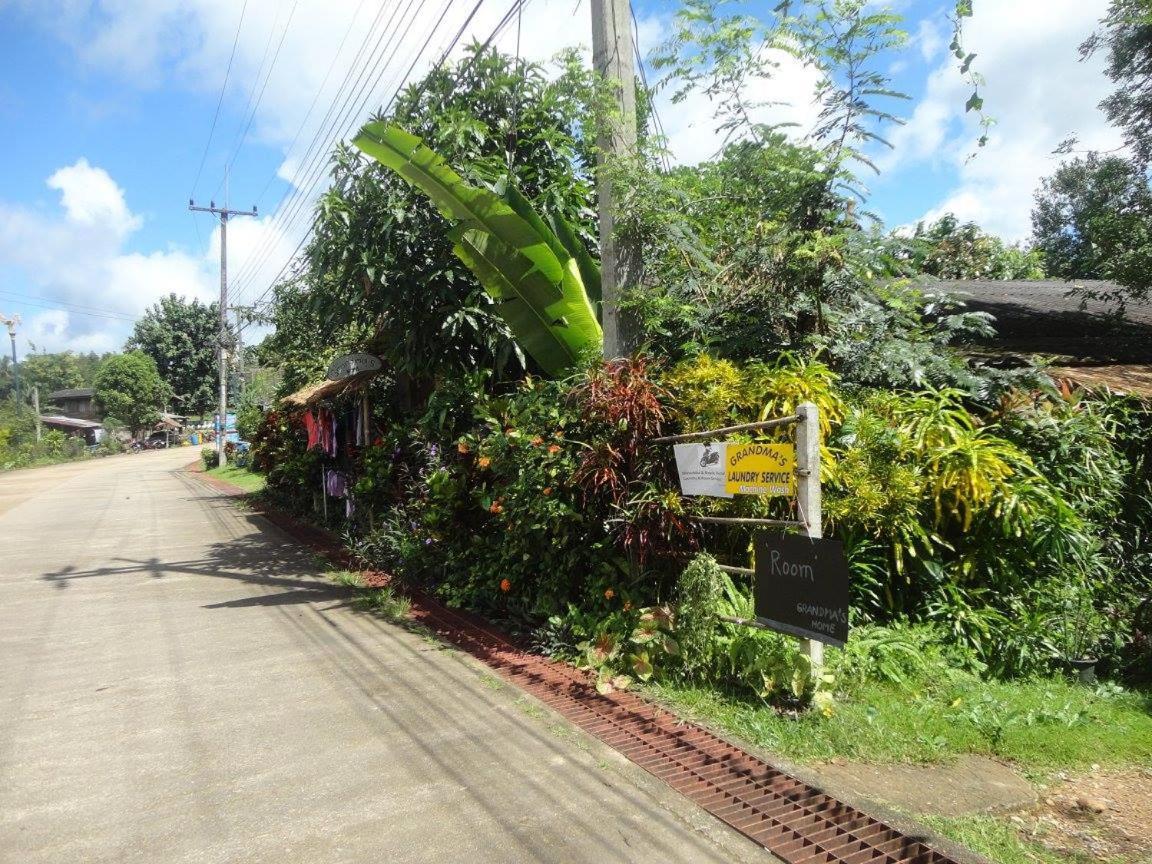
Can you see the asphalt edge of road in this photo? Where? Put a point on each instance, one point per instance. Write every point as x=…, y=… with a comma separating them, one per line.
x=328, y=545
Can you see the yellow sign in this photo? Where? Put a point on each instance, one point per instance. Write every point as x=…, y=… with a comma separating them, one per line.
x=760, y=469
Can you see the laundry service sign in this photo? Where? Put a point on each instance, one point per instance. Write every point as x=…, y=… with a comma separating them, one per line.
x=724, y=469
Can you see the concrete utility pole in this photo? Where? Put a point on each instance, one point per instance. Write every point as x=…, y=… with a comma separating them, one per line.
x=222, y=351
x=239, y=346
x=12, y=322
x=36, y=410
x=619, y=259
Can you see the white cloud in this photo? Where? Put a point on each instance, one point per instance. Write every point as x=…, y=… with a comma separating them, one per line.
x=1038, y=91
x=928, y=39
x=90, y=197
x=77, y=257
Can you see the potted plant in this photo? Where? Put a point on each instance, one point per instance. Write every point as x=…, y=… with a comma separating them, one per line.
x=1078, y=626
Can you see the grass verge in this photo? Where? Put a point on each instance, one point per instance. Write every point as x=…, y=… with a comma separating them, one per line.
x=1041, y=725
x=379, y=601
x=249, y=481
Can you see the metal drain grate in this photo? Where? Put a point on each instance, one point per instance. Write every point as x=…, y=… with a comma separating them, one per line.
x=796, y=822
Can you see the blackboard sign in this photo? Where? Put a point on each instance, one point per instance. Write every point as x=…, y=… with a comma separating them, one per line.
x=802, y=587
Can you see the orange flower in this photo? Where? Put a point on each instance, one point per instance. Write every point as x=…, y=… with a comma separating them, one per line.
x=609, y=594
x=463, y=447
x=547, y=490
x=536, y=441
x=554, y=449
x=496, y=507
x=505, y=585
x=483, y=461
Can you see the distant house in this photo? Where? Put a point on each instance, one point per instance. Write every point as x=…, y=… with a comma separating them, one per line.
x=77, y=403
x=1092, y=342
x=90, y=430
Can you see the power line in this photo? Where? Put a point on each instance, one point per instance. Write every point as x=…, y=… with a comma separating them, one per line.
x=507, y=18
x=286, y=212
x=64, y=306
x=354, y=107
x=263, y=87
x=651, y=96
x=316, y=95
x=219, y=102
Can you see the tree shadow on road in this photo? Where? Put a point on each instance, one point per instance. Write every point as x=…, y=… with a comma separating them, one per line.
x=264, y=557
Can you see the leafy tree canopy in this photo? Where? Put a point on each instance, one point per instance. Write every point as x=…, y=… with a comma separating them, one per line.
x=1126, y=36
x=1092, y=219
x=181, y=337
x=948, y=249
x=129, y=389
x=380, y=273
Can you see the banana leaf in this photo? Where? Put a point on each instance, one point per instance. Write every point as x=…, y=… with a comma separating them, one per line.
x=518, y=259
x=456, y=199
x=554, y=324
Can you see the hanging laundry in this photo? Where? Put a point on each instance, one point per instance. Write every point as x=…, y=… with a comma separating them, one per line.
x=335, y=483
x=313, y=428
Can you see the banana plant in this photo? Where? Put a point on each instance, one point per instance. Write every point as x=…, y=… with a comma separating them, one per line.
x=542, y=279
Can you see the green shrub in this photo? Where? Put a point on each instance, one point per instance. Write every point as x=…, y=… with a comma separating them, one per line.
x=211, y=458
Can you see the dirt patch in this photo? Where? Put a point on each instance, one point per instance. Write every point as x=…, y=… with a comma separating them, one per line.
x=971, y=784
x=1102, y=816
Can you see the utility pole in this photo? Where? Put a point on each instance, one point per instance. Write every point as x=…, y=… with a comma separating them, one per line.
x=12, y=322
x=239, y=346
x=615, y=142
x=222, y=351
x=36, y=410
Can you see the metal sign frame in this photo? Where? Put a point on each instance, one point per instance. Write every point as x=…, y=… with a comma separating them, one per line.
x=808, y=495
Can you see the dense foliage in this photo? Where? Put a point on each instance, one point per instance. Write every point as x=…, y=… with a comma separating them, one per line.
x=1092, y=219
x=182, y=338
x=990, y=521
x=129, y=389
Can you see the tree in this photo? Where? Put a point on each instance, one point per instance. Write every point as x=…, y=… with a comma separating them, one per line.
x=51, y=372
x=380, y=273
x=1127, y=36
x=129, y=389
x=1092, y=219
x=181, y=337
x=948, y=249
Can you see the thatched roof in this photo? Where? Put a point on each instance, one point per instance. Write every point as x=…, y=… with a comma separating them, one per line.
x=1129, y=379
x=311, y=394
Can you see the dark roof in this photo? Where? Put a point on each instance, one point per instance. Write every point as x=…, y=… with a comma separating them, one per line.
x=69, y=422
x=1048, y=317
x=79, y=393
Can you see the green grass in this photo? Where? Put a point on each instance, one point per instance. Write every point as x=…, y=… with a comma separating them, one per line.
x=1040, y=725
x=249, y=481
x=379, y=601
x=997, y=839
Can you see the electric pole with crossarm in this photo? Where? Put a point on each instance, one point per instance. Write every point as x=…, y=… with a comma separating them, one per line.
x=222, y=350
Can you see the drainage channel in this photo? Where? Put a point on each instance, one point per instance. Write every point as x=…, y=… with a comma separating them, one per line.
x=794, y=821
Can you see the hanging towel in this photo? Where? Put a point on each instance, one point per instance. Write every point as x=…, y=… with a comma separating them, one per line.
x=313, y=429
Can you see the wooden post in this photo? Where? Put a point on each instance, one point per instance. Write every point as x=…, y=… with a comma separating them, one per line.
x=36, y=409
x=808, y=497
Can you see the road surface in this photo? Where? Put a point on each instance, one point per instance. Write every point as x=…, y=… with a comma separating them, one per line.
x=178, y=684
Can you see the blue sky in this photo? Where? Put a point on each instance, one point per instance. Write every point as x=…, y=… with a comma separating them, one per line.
x=107, y=107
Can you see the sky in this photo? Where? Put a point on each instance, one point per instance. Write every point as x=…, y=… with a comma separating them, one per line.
x=116, y=112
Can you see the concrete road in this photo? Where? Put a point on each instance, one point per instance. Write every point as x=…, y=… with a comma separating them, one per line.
x=177, y=684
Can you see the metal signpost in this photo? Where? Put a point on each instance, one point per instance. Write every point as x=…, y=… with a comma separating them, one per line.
x=807, y=593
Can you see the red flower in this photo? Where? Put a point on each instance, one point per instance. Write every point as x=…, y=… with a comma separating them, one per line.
x=505, y=585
